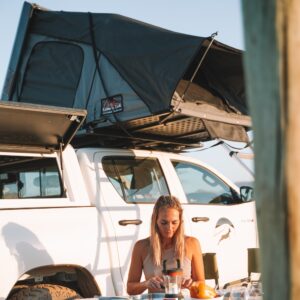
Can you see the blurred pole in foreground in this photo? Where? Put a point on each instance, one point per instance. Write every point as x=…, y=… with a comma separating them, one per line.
x=272, y=66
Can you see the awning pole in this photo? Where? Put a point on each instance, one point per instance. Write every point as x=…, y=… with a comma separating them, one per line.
x=200, y=63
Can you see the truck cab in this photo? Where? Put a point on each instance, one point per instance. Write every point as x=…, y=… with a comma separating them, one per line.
x=70, y=217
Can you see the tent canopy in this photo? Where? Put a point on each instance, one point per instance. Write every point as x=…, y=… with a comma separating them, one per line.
x=122, y=70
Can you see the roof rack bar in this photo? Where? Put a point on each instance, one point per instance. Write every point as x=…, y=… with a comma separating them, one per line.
x=137, y=137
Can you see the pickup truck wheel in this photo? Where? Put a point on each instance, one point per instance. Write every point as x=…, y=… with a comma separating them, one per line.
x=45, y=292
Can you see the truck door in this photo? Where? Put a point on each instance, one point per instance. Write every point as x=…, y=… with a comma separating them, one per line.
x=129, y=187
x=218, y=218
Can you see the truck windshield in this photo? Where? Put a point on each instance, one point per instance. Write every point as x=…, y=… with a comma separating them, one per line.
x=135, y=179
x=29, y=177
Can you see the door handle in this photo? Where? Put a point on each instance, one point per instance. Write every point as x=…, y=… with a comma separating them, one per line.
x=130, y=222
x=200, y=219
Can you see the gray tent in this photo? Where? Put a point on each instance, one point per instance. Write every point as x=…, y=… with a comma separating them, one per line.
x=133, y=78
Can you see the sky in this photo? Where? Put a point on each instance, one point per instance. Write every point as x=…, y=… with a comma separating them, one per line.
x=195, y=17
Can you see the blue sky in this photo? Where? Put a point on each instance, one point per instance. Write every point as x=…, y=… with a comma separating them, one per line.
x=196, y=17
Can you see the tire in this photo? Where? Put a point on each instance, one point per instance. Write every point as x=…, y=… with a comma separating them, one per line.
x=45, y=292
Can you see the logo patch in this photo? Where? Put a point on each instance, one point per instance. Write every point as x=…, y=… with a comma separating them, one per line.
x=111, y=104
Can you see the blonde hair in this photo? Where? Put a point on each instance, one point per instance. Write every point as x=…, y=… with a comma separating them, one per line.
x=155, y=240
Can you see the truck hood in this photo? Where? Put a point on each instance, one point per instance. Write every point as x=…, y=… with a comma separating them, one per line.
x=37, y=128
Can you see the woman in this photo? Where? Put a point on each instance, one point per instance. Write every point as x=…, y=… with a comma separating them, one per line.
x=167, y=241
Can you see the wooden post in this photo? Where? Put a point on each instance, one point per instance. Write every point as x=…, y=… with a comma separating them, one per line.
x=272, y=71
x=293, y=142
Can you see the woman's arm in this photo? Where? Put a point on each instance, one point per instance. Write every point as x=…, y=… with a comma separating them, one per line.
x=134, y=285
x=194, y=253
x=197, y=261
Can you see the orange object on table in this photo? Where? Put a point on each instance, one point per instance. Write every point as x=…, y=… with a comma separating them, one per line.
x=202, y=291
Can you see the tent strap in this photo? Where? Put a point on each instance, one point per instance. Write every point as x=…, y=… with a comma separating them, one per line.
x=118, y=122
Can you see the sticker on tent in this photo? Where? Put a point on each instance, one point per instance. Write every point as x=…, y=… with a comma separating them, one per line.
x=112, y=104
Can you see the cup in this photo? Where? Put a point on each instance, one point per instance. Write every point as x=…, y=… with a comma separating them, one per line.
x=172, y=285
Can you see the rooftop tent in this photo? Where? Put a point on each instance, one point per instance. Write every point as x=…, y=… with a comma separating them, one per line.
x=133, y=78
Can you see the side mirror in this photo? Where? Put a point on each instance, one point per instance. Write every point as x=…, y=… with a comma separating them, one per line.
x=247, y=193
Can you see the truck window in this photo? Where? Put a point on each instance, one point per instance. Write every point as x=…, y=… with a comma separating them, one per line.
x=29, y=177
x=136, y=180
x=203, y=187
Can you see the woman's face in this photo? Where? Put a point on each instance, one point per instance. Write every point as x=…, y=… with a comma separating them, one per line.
x=168, y=221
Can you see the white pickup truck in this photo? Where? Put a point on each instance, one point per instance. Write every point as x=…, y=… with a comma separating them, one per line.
x=138, y=94
x=70, y=217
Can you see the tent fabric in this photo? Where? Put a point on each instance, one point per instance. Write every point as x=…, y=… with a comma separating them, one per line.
x=145, y=55
x=126, y=74
x=222, y=74
x=51, y=74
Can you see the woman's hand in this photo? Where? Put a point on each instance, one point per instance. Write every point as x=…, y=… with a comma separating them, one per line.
x=186, y=283
x=155, y=283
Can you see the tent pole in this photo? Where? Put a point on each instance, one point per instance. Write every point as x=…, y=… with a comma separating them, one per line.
x=192, y=78
x=200, y=63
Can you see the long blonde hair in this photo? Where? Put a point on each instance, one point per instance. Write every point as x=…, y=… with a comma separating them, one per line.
x=155, y=240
